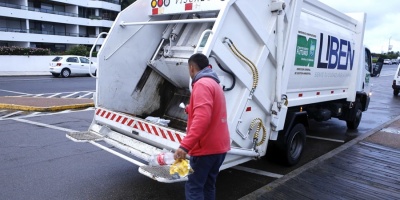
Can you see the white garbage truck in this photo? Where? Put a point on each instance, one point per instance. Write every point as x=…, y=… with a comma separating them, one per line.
x=281, y=63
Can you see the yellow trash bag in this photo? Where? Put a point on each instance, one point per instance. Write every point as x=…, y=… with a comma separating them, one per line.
x=180, y=167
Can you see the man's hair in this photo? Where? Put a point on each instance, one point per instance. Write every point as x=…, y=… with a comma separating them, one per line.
x=200, y=60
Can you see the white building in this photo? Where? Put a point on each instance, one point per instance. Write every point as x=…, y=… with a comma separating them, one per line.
x=55, y=24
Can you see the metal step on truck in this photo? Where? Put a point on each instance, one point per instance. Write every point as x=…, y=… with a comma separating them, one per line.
x=281, y=63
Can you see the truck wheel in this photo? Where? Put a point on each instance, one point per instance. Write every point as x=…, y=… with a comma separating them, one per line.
x=294, y=144
x=395, y=92
x=353, y=124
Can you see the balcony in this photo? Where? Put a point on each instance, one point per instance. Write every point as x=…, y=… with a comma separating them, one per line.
x=18, y=30
x=15, y=30
x=21, y=7
x=112, y=1
x=54, y=33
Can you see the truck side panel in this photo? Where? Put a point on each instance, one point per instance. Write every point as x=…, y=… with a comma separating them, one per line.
x=327, y=56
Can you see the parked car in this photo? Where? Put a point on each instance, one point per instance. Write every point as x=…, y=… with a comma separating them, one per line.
x=396, y=82
x=395, y=61
x=70, y=64
x=387, y=61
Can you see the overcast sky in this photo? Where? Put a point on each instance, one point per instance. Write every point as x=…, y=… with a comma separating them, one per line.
x=383, y=21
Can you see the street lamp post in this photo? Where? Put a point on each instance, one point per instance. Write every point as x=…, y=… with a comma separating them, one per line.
x=389, y=47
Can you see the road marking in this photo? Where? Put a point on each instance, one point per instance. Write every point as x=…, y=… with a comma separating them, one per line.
x=256, y=171
x=70, y=95
x=68, y=92
x=32, y=114
x=44, y=125
x=56, y=94
x=15, y=92
x=85, y=95
x=57, y=113
x=11, y=114
x=327, y=139
x=38, y=95
x=65, y=111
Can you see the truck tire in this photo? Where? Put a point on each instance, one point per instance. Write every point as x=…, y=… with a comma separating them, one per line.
x=395, y=92
x=353, y=124
x=294, y=144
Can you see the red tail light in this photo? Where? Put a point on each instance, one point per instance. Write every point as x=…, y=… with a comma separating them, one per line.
x=58, y=64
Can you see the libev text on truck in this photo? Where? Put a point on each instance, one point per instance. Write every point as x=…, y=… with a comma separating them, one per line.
x=281, y=64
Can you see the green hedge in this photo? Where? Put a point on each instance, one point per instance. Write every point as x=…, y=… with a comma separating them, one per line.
x=23, y=51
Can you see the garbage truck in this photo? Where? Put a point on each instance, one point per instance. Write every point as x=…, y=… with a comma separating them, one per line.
x=281, y=63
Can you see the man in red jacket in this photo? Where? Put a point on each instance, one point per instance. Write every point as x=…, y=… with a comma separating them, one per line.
x=207, y=139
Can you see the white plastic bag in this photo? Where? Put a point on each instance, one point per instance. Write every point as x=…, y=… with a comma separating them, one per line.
x=157, y=120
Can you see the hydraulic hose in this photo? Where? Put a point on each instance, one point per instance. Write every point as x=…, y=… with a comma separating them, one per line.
x=251, y=65
x=228, y=72
x=260, y=125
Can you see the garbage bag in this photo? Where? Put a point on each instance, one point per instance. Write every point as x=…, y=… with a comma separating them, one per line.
x=157, y=120
x=180, y=167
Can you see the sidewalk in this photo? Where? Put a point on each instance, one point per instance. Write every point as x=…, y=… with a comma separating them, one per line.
x=24, y=73
x=41, y=104
x=368, y=167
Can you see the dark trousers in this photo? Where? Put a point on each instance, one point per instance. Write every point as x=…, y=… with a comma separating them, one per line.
x=201, y=183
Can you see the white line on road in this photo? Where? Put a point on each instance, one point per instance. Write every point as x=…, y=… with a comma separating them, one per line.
x=256, y=171
x=57, y=113
x=44, y=125
x=68, y=92
x=11, y=114
x=70, y=95
x=85, y=95
x=32, y=114
x=56, y=94
x=38, y=95
x=15, y=92
x=327, y=139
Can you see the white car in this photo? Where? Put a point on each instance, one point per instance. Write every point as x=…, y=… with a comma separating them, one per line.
x=387, y=61
x=67, y=65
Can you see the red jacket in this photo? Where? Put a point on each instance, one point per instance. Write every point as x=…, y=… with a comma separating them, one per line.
x=207, y=129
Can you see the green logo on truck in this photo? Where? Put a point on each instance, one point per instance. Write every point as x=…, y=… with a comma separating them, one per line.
x=305, y=51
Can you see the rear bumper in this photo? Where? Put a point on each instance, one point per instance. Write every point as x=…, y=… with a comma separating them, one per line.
x=55, y=69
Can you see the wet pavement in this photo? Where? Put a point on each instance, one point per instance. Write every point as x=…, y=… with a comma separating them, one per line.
x=367, y=163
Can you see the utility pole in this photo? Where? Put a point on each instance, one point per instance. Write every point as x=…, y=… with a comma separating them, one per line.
x=389, y=47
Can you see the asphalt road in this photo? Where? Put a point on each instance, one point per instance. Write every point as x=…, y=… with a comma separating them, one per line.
x=39, y=162
x=16, y=86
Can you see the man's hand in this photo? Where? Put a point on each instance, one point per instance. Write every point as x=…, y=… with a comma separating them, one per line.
x=180, y=154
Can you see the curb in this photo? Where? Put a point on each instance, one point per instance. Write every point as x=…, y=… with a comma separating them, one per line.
x=294, y=173
x=45, y=109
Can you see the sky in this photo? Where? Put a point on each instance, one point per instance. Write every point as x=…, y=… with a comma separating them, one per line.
x=383, y=21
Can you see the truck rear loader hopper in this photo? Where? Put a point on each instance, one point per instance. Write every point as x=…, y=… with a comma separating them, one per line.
x=280, y=63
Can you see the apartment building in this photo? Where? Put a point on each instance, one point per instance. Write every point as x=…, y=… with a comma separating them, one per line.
x=55, y=24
